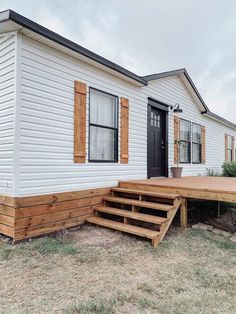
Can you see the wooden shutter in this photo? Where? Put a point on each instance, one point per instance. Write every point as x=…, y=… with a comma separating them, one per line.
x=203, y=144
x=226, y=147
x=233, y=148
x=124, y=131
x=176, y=138
x=80, y=91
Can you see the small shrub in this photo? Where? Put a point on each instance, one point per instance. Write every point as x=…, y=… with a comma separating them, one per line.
x=229, y=169
x=211, y=172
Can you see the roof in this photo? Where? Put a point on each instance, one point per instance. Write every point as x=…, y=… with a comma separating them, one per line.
x=45, y=32
x=174, y=73
x=184, y=72
x=20, y=20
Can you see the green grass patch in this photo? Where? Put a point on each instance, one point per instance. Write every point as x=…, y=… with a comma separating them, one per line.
x=49, y=245
x=145, y=303
x=44, y=246
x=98, y=307
x=214, y=280
x=211, y=238
x=6, y=252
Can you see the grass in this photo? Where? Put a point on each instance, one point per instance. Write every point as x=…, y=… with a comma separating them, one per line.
x=52, y=246
x=95, y=270
x=44, y=246
x=99, y=306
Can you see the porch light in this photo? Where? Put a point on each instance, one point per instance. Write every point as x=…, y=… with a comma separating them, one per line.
x=176, y=108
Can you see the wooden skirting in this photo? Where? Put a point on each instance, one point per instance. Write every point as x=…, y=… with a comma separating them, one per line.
x=26, y=217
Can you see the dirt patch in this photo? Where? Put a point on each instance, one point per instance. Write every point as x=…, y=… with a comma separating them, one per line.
x=95, y=270
x=90, y=236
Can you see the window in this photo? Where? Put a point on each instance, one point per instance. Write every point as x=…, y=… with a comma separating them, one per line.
x=155, y=119
x=197, y=143
x=103, y=127
x=230, y=148
x=185, y=139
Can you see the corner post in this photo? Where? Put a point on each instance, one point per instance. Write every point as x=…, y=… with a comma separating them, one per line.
x=184, y=214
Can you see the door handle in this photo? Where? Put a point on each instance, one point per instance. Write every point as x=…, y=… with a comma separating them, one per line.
x=163, y=147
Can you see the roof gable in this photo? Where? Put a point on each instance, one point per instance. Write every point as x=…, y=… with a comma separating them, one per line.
x=185, y=77
x=183, y=74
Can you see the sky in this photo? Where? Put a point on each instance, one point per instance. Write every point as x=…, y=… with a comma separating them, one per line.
x=152, y=36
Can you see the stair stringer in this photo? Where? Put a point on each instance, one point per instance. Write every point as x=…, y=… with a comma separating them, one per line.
x=171, y=214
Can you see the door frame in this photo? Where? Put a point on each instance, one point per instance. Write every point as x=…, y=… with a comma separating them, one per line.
x=165, y=108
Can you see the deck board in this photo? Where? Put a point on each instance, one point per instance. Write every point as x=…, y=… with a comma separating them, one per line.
x=198, y=187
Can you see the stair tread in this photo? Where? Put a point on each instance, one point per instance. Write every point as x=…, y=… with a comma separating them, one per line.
x=145, y=204
x=143, y=232
x=132, y=215
x=147, y=193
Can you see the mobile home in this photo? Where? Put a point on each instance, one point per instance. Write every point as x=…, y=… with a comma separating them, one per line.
x=74, y=124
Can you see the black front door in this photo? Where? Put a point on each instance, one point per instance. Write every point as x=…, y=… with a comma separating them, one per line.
x=157, y=142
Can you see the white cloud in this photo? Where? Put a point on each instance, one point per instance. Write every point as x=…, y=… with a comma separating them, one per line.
x=54, y=24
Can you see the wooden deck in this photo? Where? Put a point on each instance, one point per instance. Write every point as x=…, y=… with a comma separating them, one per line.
x=211, y=188
x=208, y=188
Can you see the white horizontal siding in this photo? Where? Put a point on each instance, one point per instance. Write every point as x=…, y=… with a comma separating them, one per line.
x=47, y=124
x=7, y=109
x=171, y=91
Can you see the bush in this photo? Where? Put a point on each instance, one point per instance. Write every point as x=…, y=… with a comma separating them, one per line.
x=229, y=169
x=211, y=172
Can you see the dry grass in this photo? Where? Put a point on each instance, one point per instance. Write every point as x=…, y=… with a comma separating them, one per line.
x=95, y=270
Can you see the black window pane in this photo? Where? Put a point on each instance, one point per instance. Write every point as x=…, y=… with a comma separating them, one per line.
x=230, y=141
x=230, y=155
x=196, y=133
x=184, y=152
x=185, y=128
x=103, y=109
x=102, y=143
x=196, y=153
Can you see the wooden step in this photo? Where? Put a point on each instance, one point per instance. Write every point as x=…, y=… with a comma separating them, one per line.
x=142, y=232
x=147, y=193
x=132, y=215
x=144, y=204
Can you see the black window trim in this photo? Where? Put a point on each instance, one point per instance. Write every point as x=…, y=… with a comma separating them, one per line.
x=190, y=142
x=197, y=162
x=116, y=139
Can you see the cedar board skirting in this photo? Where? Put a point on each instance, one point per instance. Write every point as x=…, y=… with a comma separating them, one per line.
x=26, y=217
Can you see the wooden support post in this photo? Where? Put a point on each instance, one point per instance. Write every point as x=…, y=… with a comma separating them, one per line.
x=155, y=242
x=218, y=209
x=184, y=214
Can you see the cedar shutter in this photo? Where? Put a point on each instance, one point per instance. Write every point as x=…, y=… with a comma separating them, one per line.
x=203, y=144
x=176, y=138
x=226, y=147
x=124, y=131
x=80, y=92
x=233, y=148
